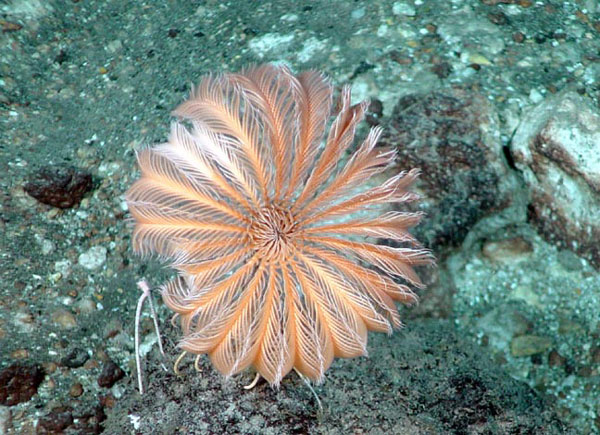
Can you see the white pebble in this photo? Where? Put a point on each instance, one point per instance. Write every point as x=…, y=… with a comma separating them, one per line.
x=403, y=9
x=93, y=258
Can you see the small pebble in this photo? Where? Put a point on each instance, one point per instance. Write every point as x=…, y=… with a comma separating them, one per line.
x=518, y=37
x=24, y=321
x=111, y=373
x=555, y=359
x=76, y=390
x=508, y=250
x=357, y=14
x=51, y=384
x=528, y=345
x=63, y=267
x=108, y=401
x=19, y=354
x=64, y=319
x=50, y=367
x=91, y=364
x=86, y=306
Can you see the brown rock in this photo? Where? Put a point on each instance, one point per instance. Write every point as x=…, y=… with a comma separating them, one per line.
x=108, y=401
x=57, y=420
x=555, y=359
x=111, y=373
x=18, y=383
x=59, y=186
x=76, y=390
x=19, y=354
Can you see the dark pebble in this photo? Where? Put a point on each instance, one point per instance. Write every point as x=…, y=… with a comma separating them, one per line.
x=555, y=359
x=76, y=358
x=59, y=186
x=518, y=37
x=111, y=373
x=18, y=383
x=362, y=68
x=400, y=58
x=374, y=112
x=442, y=70
x=498, y=18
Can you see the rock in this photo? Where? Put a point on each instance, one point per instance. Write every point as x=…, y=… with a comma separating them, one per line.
x=469, y=34
x=557, y=147
x=443, y=382
x=453, y=137
x=111, y=373
x=93, y=258
x=57, y=420
x=18, y=383
x=527, y=345
x=59, y=186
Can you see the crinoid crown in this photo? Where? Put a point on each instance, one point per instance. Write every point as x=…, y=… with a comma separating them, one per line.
x=273, y=226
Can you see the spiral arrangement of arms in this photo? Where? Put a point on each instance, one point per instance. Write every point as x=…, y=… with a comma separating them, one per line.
x=271, y=226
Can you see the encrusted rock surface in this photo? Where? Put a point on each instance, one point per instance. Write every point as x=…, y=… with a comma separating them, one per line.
x=422, y=380
x=452, y=136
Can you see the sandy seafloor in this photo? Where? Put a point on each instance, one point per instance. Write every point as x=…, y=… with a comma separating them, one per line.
x=85, y=83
